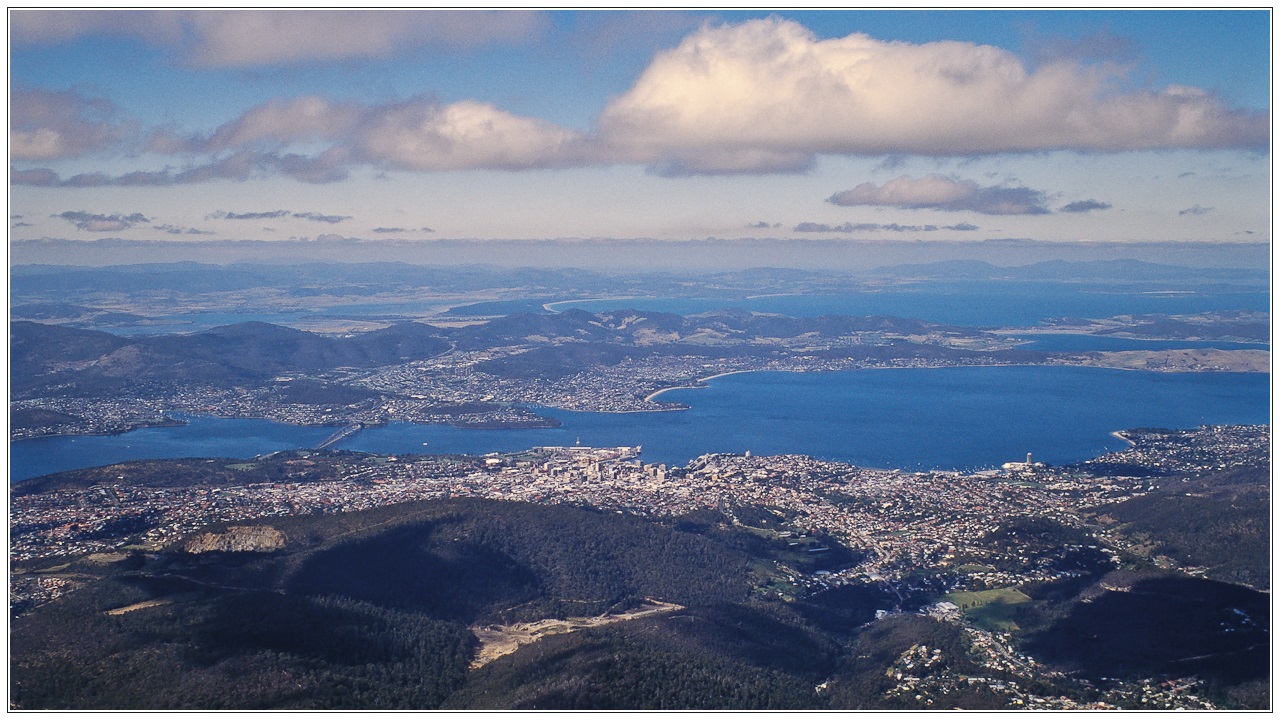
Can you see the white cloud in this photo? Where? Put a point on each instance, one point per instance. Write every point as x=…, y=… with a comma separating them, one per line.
x=420, y=135
x=414, y=135
x=417, y=134
x=939, y=192
x=760, y=96
x=280, y=122
x=767, y=95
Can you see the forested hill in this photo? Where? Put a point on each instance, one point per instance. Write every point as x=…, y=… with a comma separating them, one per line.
x=383, y=608
x=371, y=610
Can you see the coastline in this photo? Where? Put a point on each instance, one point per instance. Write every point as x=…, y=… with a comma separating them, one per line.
x=179, y=420
x=173, y=422
x=548, y=305
x=1120, y=435
x=651, y=396
x=1121, y=335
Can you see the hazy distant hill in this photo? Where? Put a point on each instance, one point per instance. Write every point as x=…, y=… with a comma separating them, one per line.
x=32, y=284
x=93, y=361
x=310, y=278
x=1118, y=271
x=89, y=362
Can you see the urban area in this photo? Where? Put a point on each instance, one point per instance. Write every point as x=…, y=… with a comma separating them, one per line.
x=915, y=533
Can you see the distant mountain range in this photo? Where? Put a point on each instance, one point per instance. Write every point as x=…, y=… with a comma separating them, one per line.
x=80, y=362
x=308, y=279
x=1062, y=270
x=245, y=352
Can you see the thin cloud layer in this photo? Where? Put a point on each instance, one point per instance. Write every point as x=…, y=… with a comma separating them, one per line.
x=180, y=230
x=324, y=168
x=418, y=134
x=277, y=214
x=97, y=222
x=768, y=96
x=319, y=217
x=385, y=230
x=274, y=124
x=850, y=227
x=251, y=38
x=1083, y=206
x=50, y=125
x=264, y=215
x=938, y=192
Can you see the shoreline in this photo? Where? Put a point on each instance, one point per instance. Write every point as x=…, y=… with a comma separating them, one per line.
x=1119, y=434
x=179, y=421
x=1082, y=332
x=547, y=305
x=656, y=393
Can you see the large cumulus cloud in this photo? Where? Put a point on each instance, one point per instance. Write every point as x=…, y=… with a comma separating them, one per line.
x=760, y=96
x=767, y=95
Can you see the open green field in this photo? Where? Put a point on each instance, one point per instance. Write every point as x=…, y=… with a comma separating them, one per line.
x=991, y=609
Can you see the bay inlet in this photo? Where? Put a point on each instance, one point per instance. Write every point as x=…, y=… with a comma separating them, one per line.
x=918, y=419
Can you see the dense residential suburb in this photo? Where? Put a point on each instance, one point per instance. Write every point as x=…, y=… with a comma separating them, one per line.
x=917, y=534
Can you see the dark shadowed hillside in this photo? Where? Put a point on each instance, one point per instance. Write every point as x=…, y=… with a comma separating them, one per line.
x=370, y=610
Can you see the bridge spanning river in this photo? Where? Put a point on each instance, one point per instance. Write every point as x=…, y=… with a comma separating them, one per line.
x=339, y=436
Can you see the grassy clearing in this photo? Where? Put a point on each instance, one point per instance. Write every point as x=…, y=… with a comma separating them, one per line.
x=1005, y=595
x=991, y=609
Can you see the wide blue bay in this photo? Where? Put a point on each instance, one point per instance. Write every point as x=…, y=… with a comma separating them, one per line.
x=945, y=418
x=977, y=304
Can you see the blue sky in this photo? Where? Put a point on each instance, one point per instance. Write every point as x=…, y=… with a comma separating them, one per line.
x=1123, y=126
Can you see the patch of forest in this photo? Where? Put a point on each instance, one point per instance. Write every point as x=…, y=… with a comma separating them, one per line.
x=1220, y=522
x=291, y=466
x=1146, y=624
x=372, y=610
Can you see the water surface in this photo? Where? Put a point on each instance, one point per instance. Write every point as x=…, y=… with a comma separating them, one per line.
x=944, y=418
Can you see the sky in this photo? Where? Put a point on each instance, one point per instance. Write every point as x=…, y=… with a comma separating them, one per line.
x=1070, y=126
